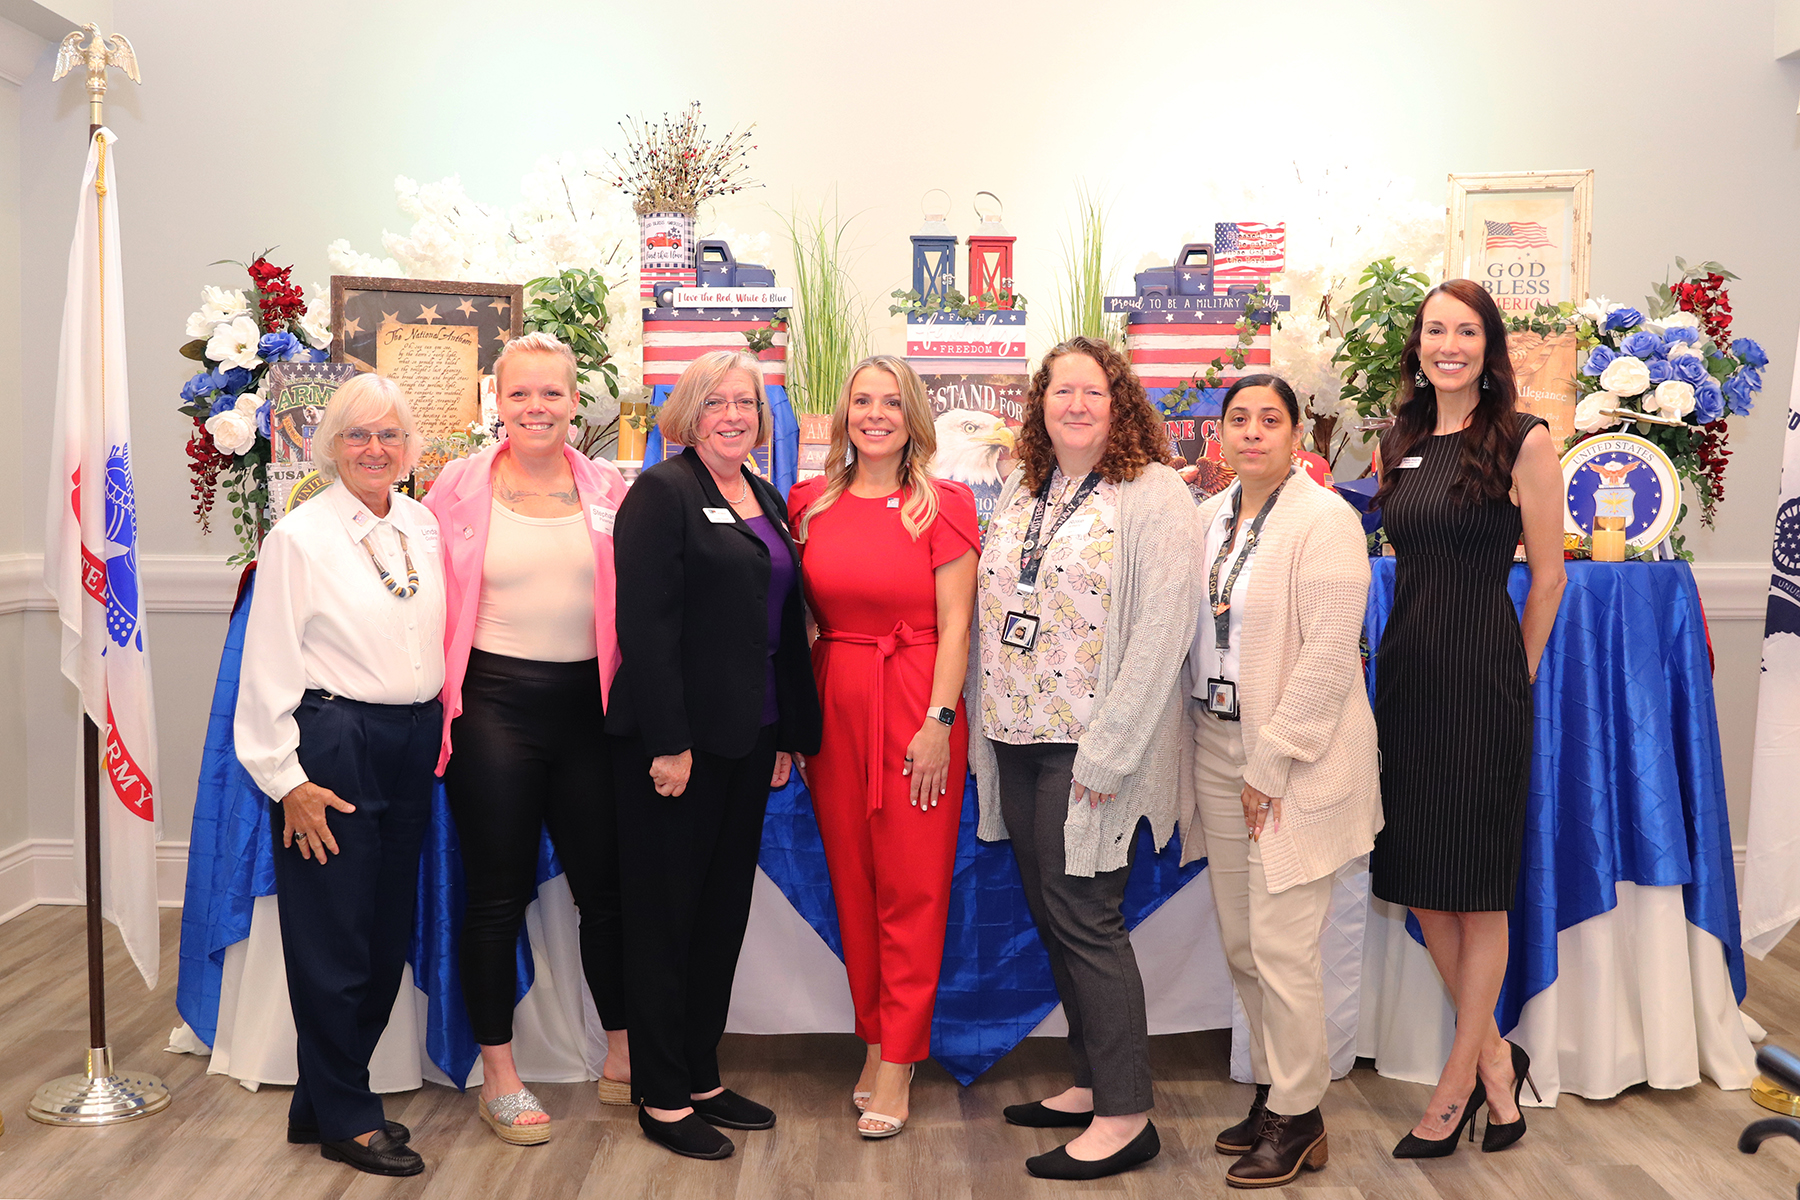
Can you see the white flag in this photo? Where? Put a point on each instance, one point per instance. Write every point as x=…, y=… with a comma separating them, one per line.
x=1772, y=863
x=91, y=558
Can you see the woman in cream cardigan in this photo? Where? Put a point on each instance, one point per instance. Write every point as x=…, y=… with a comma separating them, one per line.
x=1281, y=782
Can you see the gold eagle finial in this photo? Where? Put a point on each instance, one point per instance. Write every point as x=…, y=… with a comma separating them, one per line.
x=96, y=56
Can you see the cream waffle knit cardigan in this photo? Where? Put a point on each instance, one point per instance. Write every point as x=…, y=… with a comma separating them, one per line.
x=1132, y=746
x=1309, y=735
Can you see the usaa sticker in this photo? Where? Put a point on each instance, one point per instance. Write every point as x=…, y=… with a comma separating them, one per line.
x=1623, y=481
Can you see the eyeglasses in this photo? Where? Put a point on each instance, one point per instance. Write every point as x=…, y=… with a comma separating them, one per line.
x=360, y=437
x=715, y=405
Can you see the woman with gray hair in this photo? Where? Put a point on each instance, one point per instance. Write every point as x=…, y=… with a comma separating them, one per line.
x=338, y=722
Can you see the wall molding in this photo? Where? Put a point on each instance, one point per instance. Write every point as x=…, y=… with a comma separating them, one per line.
x=20, y=50
x=42, y=871
x=173, y=583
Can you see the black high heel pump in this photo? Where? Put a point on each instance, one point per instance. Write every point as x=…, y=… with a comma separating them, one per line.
x=1412, y=1146
x=1499, y=1137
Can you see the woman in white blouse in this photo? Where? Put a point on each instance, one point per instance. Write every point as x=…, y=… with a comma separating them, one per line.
x=338, y=722
x=1280, y=781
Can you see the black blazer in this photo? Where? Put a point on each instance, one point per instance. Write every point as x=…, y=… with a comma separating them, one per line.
x=693, y=621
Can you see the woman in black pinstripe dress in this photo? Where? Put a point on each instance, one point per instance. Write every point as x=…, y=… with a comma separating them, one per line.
x=1463, y=473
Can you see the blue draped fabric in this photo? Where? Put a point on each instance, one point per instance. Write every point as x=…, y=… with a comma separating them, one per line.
x=1627, y=784
x=995, y=986
x=784, y=436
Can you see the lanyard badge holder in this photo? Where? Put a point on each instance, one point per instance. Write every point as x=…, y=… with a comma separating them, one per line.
x=1221, y=693
x=1019, y=629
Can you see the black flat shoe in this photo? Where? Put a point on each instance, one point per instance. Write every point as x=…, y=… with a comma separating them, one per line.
x=734, y=1112
x=382, y=1156
x=1059, y=1165
x=308, y=1135
x=1036, y=1116
x=1418, y=1147
x=689, y=1137
x=1241, y=1138
x=1499, y=1137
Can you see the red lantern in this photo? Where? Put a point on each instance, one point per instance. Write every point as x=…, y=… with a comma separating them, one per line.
x=991, y=259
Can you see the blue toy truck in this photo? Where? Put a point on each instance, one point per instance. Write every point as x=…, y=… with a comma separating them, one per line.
x=716, y=267
x=1192, y=274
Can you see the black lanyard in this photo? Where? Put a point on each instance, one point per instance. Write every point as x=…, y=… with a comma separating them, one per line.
x=1221, y=604
x=1031, y=553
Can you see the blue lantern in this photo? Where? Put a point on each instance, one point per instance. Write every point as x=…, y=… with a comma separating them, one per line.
x=934, y=254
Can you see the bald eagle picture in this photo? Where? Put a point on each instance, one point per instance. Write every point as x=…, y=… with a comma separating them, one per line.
x=970, y=447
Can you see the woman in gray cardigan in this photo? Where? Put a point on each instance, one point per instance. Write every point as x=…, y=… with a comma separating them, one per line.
x=1280, y=781
x=1085, y=608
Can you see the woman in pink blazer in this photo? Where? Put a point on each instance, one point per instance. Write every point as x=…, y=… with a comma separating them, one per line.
x=530, y=651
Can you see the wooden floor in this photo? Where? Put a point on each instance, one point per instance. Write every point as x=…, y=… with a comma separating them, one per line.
x=217, y=1139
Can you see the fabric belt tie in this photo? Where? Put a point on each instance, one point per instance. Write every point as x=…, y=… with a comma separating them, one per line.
x=885, y=646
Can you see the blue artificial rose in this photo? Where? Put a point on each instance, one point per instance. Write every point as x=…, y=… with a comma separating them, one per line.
x=1641, y=343
x=1740, y=393
x=233, y=380
x=1624, y=318
x=200, y=385
x=317, y=355
x=1752, y=378
x=1709, y=402
x=222, y=403
x=278, y=347
x=1660, y=371
x=262, y=417
x=1690, y=368
x=1681, y=335
x=1597, y=360
x=1750, y=352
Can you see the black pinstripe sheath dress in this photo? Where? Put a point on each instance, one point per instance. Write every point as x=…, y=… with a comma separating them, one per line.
x=1452, y=697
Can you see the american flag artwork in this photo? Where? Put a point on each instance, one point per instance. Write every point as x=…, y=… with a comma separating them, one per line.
x=1169, y=349
x=1247, y=252
x=1516, y=235
x=650, y=278
x=675, y=337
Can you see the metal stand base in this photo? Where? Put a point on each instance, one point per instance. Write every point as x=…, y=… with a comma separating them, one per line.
x=1777, y=1099
x=99, y=1097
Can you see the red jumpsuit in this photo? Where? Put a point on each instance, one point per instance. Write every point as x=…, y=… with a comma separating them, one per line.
x=874, y=595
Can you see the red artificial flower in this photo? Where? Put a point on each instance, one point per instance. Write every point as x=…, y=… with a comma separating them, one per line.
x=205, y=461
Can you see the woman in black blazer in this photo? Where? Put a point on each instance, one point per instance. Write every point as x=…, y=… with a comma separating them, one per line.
x=714, y=695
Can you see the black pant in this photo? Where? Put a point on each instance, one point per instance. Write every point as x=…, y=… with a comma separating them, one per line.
x=1082, y=924
x=346, y=925
x=688, y=864
x=527, y=752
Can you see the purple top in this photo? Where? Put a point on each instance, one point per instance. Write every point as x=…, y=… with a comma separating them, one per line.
x=781, y=582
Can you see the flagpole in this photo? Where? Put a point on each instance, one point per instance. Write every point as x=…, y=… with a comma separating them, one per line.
x=98, y=1096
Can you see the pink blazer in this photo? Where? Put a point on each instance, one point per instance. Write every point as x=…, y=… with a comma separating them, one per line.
x=462, y=501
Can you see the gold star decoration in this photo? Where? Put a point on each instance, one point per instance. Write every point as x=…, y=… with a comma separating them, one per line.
x=467, y=307
x=500, y=306
x=390, y=318
x=429, y=313
x=501, y=337
x=352, y=327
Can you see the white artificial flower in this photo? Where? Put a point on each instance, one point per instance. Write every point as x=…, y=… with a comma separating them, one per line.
x=315, y=326
x=1594, y=310
x=199, y=326
x=233, y=431
x=233, y=344
x=1683, y=350
x=1625, y=376
x=221, y=304
x=1589, y=418
x=1674, y=398
x=1680, y=320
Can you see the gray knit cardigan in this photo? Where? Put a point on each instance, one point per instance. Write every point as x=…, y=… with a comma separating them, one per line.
x=1132, y=746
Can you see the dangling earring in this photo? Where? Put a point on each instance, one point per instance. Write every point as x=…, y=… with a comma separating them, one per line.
x=1484, y=383
x=1419, y=379
x=850, y=455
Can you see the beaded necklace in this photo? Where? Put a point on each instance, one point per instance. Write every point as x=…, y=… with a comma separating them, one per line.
x=387, y=581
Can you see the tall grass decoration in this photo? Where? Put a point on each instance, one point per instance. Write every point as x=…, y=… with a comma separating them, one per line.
x=827, y=330
x=1081, y=308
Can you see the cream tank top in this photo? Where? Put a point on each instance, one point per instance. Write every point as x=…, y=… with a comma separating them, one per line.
x=537, y=588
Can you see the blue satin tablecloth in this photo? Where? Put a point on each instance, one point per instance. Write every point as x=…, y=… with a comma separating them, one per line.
x=1627, y=784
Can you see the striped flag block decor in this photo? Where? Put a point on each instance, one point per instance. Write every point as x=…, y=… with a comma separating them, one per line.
x=675, y=337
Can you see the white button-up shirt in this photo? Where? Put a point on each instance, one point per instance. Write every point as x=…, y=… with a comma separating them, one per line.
x=1206, y=637
x=321, y=618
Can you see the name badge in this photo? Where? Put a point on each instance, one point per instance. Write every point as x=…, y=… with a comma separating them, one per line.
x=719, y=516
x=431, y=539
x=602, y=518
x=1411, y=460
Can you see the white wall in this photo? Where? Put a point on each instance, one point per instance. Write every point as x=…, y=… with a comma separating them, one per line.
x=273, y=125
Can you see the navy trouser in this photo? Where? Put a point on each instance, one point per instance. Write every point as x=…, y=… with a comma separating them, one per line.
x=346, y=925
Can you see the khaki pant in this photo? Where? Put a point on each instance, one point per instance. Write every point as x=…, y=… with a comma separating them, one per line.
x=1271, y=941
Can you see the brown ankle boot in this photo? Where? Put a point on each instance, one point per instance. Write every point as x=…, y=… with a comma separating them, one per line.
x=1241, y=1138
x=1284, y=1145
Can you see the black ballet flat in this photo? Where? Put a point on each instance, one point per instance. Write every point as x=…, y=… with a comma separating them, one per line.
x=1417, y=1147
x=1499, y=1137
x=734, y=1112
x=1036, y=1116
x=1059, y=1165
x=690, y=1137
x=308, y=1135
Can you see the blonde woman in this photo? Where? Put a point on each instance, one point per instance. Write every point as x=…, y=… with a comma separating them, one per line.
x=888, y=560
x=713, y=697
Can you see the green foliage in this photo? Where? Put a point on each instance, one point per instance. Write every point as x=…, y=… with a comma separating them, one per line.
x=954, y=303
x=1081, y=301
x=1258, y=313
x=245, y=486
x=762, y=338
x=1374, y=324
x=572, y=306
x=828, y=332
x=1548, y=320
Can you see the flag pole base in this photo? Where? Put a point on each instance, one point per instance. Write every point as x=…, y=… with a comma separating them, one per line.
x=1776, y=1098
x=98, y=1097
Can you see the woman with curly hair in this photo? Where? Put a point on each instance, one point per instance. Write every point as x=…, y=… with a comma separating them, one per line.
x=1085, y=608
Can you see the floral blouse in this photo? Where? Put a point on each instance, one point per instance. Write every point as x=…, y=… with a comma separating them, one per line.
x=1046, y=694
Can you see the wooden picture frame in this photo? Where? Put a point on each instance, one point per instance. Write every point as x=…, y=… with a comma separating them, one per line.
x=1525, y=237
x=436, y=337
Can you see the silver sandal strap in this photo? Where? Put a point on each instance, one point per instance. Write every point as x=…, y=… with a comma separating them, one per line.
x=509, y=1108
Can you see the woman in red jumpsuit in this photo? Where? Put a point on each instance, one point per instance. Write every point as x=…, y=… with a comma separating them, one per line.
x=888, y=558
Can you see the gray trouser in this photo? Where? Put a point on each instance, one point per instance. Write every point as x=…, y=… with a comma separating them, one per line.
x=1083, y=929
